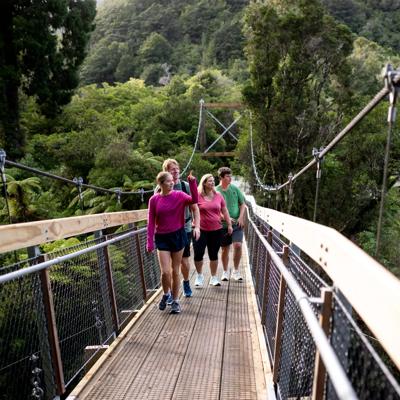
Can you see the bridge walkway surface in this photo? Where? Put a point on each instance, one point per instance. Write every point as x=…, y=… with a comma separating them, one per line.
x=212, y=350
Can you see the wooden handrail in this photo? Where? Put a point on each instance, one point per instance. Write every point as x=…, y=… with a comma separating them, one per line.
x=371, y=289
x=17, y=236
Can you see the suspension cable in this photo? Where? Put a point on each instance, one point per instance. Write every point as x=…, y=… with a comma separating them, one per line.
x=261, y=184
x=197, y=137
x=391, y=120
x=69, y=181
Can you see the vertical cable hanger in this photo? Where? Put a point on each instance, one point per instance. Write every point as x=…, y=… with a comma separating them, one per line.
x=317, y=155
x=390, y=74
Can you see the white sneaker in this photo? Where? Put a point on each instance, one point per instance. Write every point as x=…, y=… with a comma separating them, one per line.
x=214, y=281
x=199, y=282
x=237, y=276
x=225, y=276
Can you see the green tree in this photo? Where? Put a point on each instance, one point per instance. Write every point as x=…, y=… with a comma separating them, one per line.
x=42, y=44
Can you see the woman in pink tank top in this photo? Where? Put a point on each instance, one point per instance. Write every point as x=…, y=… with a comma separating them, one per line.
x=211, y=205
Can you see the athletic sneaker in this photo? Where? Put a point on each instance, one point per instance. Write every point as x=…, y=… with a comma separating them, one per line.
x=199, y=282
x=214, y=281
x=237, y=276
x=225, y=276
x=187, y=290
x=165, y=299
x=175, y=307
x=170, y=299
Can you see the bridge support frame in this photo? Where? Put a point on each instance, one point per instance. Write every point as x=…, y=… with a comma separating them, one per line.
x=325, y=321
x=279, y=322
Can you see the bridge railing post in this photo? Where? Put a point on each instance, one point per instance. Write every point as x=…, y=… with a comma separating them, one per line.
x=325, y=321
x=266, y=278
x=279, y=322
x=141, y=264
x=50, y=351
x=107, y=288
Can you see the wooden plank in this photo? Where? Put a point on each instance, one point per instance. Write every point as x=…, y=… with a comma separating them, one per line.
x=17, y=236
x=219, y=154
x=371, y=289
x=234, y=106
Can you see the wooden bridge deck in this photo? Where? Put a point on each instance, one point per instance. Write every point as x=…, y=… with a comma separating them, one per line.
x=212, y=350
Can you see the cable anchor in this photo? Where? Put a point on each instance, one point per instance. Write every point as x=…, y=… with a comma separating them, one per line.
x=78, y=182
x=118, y=193
x=37, y=392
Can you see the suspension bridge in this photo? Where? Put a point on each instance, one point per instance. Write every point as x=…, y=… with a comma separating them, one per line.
x=315, y=317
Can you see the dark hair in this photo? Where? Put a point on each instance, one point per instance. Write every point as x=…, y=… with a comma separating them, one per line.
x=224, y=171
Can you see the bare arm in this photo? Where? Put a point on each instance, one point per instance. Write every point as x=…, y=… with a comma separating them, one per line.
x=240, y=220
x=227, y=218
x=196, y=220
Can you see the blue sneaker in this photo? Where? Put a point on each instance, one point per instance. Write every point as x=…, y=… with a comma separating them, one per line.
x=162, y=305
x=187, y=290
x=170, y=299
x=175, y=307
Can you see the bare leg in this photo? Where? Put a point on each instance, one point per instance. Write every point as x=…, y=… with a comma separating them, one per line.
x=164, y=258
x=225, y=257
x=237, y=254
x=176, y=262
x=199, y=266
x=185, y=268
x=213, y=267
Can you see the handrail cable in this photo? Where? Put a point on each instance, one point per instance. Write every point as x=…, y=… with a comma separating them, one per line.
x=43, y=265
x=338, y=377
x=71, y=181
x=197, y=137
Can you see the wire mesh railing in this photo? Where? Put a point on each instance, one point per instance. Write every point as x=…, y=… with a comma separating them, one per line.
x=51, y=316
x=291, y=344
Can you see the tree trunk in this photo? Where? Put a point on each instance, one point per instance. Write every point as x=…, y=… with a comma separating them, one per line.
x=11, y=136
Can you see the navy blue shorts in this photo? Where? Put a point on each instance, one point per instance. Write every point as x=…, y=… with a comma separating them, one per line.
x=186, y=252
x=172, y=241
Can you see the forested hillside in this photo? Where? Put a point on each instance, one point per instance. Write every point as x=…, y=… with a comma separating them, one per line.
x=377, y=20
x=150, y=39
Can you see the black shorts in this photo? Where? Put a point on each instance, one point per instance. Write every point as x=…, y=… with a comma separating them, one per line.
x=172, y=241
x=209, y=239
x=186, y=251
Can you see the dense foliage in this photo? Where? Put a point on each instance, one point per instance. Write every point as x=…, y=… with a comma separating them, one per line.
x=42, y=44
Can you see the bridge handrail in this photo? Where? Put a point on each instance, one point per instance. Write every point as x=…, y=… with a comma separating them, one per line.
x=371, y=289
x=17, y=236
x=338, y=377
x=46, y=264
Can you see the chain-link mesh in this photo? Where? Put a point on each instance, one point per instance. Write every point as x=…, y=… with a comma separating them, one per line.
x=126, y=269
x=366, y=371
x=150, y=264
x=24, y=349
x=82, y=305
x=368, y=374
x=83, y=309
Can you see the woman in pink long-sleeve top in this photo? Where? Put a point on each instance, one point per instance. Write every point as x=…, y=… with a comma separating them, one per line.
x=166, y=232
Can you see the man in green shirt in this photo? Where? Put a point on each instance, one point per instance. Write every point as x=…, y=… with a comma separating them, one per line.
x=235, y=203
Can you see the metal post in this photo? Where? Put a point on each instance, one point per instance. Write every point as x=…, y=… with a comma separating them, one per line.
x=104, y=292
x=279, y=322
x=110, y=285
x=47, y=331
x=325, y=321
x=203, y=138
x=141, y=265
x=54, y=342
x=266, y=281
